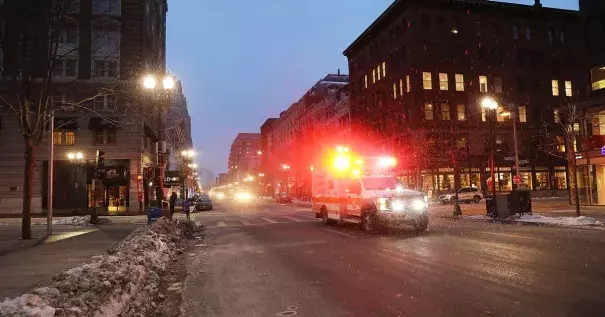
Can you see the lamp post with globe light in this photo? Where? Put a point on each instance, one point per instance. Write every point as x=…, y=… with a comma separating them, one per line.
x=186, y=167
x=161, y=95
x=76, y=159
x=491, y=106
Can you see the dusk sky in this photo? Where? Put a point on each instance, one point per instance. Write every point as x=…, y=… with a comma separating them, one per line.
x=242, y=61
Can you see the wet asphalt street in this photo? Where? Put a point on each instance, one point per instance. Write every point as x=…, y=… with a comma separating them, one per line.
x=276, y=260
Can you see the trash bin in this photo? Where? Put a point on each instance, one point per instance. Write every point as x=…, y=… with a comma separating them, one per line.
x=502, y=202
x=154, y=214
x=519, y=201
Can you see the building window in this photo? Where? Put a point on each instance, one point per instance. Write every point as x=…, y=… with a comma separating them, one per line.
x=482, y=83
x=111, y=7
x=384, y=69
x=597, y=78
x=551, y=35
x=528, y=33
x=373, y=76
x=461, y=110
x=498, y=85
x=556, y=116
x=68, y=36
x=522, y=114
x=106, y=103
x=445, y=111
x=501, y=114
x=104, y=68
x=394, y=90
x=515, y=32
x=459, y=82
x=562, y=37
x=401, y=87
x=555, y=87
x=427, y=82
x=378, y=73
x=65, y=68
x=568, y=89
x=443, y=85
x=428, y=111
x=64, y=137
x=365, y=80
x=483, y=114
x=108, y=137
x=461, y=142
x=407, y=83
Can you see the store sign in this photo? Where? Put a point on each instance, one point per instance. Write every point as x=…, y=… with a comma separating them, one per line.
x=173, y=178
x=603, y=150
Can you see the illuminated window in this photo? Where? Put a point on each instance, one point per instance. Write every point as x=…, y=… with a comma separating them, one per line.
x=428, y=111
x=427, y=82
x=556, y=115
x=483, y=117
x=568, y=89
x=378, y=73
x=501, y=114
x=365, y=79
x=459, y=82
x=522, y=114
x=394, y=90
x=70, y=138
x=461, y=110
x=443, y=85
x=445, y=111
x=483, y=83
x=597, y=78
x=384, y=69
x=373, y=76
x=560, y=144
x=401, y=86
x=461, y=142
x=58, y=137
x=407, y=83
x=555, y=87
x=498, y=85
x=515, y=32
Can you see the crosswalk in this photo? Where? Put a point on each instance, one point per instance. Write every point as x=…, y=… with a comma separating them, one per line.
x=211, y=223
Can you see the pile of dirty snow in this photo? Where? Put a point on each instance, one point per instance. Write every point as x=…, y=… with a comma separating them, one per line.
x=558, y=221
x=77, y=221
x=121, y=282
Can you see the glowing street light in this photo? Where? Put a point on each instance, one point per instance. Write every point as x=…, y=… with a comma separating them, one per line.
x=72, y=156
x=149, y=82
x=259, y=152
x=489, y=103
x=168, y=82
x=285, y=166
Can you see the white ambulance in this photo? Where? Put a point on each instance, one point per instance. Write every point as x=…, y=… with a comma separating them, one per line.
x=362, y=189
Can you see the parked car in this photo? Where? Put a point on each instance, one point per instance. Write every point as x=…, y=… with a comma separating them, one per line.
x=283, y=199
x=203, y=202
x=465, y=194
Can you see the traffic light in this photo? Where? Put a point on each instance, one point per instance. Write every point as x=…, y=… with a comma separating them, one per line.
x=100, y=159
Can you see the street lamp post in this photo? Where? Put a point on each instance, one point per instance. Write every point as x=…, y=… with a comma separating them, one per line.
x=491, y=106
x=186, y=166
x=150, y=83
x=286, y=169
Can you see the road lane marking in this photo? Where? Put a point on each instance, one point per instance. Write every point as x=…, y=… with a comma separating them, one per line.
x=245, y=222
x=221, y=224
x=269, y=220
x=342, y=233
x=291, y=218
x=512, y=235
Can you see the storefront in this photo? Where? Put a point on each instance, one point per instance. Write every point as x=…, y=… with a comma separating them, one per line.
x=112, y=192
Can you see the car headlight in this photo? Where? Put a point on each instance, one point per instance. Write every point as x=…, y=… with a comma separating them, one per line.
x=220, y=195
x=243, y=196
x=397, y=205
x=418, y=204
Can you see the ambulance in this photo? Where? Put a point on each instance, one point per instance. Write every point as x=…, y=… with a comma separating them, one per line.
x=362, y=189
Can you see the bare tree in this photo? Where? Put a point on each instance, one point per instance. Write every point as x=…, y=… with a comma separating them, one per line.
x=560, y=140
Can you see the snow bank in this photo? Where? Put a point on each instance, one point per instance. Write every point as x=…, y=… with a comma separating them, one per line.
x=77, y=221
x=477, y=217
x=558, y=221
x=121, y=282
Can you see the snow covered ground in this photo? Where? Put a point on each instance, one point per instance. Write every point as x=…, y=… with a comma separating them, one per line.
x=559, y=221
x=122, y=282
x=76, y=221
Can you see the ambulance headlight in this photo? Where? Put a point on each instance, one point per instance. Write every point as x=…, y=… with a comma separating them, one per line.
x=397, y=205
x=418, y=204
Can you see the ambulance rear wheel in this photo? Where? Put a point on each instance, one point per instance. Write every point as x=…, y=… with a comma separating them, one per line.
x=325, y=219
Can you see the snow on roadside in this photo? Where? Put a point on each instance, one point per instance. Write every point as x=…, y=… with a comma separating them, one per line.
x=121, y=282
x=76, y=221
x=477, y=217
x=558, y=221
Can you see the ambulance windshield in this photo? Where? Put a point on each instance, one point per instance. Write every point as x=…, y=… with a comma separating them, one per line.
x=380, y=183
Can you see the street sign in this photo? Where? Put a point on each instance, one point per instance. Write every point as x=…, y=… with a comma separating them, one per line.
x=517, y=179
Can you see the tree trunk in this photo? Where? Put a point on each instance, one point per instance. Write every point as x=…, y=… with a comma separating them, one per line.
x=26, y=229
x=576, y=190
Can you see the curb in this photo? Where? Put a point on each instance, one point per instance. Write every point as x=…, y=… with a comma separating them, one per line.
x=536, y=224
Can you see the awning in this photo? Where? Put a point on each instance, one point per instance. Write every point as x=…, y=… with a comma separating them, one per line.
x=65, y=123
x=102, y=123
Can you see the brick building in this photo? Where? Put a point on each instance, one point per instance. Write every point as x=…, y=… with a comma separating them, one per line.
x=419, y=74
x=244, y=157
x=105, y=47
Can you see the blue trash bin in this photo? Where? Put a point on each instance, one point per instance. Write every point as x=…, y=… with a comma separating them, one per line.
x=154, y=214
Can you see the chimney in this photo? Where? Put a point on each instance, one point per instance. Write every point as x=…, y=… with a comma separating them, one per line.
x=339, y=71
x=537, y=4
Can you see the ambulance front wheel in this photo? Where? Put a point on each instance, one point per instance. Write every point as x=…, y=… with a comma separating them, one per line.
x=325, y=219
x=369, y=223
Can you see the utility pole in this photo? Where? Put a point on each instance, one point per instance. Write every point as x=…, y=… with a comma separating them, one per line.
x=515, y=142
x=51, y=173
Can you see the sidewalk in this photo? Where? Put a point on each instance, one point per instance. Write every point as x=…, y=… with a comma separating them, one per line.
x=27, y=264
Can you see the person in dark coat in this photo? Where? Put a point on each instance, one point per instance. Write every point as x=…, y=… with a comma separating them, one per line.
x=172, y=203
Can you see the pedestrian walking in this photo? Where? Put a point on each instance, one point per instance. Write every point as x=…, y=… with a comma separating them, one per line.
x=172, y=203
x=187, y=208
